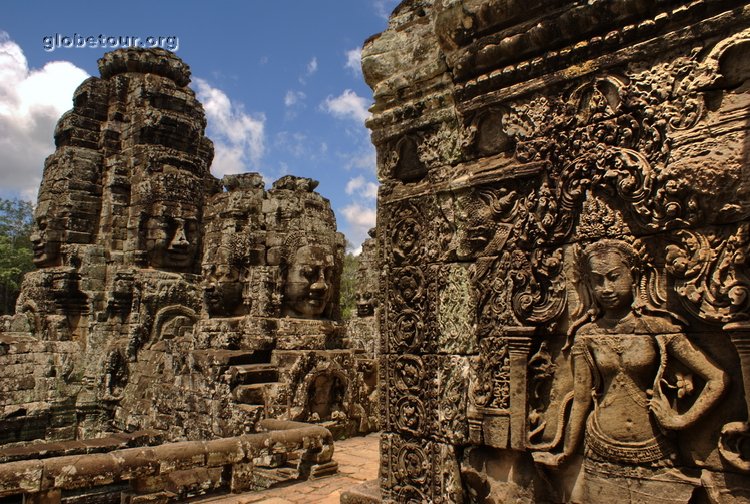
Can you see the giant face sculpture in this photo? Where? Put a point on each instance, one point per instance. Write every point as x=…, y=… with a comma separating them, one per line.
x=366, y=303
x=222, y=290
x=171, y=236
x=47, y=236
x=308, y=286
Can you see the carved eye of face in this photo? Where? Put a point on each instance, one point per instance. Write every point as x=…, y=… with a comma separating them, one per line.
x=307, y=272
x=191, y=226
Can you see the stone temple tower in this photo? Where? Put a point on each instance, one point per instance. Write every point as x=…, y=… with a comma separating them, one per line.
x=118, y=212
x=166, y=299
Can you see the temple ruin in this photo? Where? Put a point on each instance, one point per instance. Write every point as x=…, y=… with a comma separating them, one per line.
x=563, y=231
x=554, y=307
x=170, y=306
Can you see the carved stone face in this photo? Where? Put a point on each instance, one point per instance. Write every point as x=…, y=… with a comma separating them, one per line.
x=223, y=290
x=308, y=287
x=172, y=236
x=46, y=240
x=477, y=228
x=611, y=281
x=478, y=231
x=366, y=303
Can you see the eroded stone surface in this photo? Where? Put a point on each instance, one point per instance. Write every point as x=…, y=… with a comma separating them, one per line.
x=166, y=299
x=363, y=326
x=563, y=225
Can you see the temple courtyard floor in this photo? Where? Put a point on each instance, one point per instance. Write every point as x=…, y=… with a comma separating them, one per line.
x=358, y=459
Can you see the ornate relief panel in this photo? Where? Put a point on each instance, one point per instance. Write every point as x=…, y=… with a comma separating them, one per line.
x=576, y=249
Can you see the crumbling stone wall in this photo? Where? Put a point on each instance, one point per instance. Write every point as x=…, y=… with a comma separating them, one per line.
x=266, y=344
x=166, y=299
x=363, y=326
x=563, y=219
x=363, y=329
x=107, y=226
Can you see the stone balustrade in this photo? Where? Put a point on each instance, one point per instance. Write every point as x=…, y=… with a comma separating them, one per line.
x=168, y=472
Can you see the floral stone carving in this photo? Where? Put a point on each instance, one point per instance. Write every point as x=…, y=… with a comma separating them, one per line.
x=563, y=217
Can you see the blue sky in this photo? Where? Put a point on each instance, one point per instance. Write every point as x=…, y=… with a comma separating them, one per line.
x=280, y=82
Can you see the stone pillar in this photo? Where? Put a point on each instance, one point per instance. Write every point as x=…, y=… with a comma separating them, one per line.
x=519, y=345
x=735, y=435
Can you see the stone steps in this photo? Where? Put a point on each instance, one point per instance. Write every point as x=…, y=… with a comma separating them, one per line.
x=225, y=358
x=255, y=393
x=270, y=477
x=248, y=374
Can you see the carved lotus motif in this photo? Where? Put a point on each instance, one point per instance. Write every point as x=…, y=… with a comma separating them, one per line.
x=412, y=463
x=410, y=415
x=409, y=330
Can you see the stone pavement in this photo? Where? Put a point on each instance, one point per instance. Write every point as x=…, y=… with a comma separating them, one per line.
x=358, y=458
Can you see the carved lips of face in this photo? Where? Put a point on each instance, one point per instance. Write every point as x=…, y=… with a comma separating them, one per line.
x=611, y=281
x=171, y=242
x=308, y=284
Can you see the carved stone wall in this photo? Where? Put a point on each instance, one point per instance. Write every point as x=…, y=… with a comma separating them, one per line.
x=563, y=218
x=166, y=299
x=111, y=234
x=363, y=326
x=363, y=329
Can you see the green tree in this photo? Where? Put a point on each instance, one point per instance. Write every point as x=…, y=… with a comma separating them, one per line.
x=16, y=220
x=349, y=285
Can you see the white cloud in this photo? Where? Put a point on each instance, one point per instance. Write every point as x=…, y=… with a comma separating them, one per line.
x=359, y=219
x=354, y=184
x=312, y=66
x=31, y=102
x=293, y=97
x=310, y=69
x=364, y=189
x=359, y=214
x=348, y=105
x=362, y=159
x=383, y=8
x=354, y=61
x=239, y=138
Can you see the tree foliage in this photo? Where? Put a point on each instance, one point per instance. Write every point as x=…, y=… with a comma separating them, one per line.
x=16, y=219
x=349, y=285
